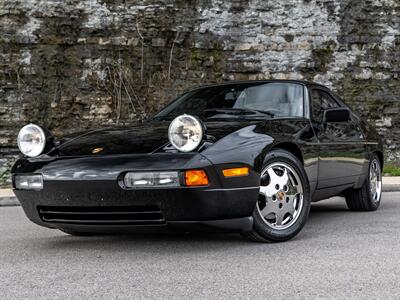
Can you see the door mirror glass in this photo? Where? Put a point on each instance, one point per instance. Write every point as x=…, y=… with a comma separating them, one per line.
x=335, y=115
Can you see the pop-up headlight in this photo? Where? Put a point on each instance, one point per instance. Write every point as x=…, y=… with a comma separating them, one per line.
x=31, y=140
x=185, y=133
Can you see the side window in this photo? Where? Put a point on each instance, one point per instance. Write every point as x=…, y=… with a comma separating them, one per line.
x=321, y=101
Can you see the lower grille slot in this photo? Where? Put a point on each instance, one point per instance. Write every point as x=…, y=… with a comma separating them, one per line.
x=139, y=215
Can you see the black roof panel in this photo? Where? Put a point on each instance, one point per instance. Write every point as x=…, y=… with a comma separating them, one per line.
x=308, y=83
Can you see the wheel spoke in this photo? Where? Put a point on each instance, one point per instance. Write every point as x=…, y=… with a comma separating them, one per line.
x=288, y=208
x=279, y=218
x=278, y=180
x=274, y=178
x=267, y=191
x=270, y=207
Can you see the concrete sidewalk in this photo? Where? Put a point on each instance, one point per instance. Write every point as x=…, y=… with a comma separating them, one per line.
x=7, y=197
x=391, y=184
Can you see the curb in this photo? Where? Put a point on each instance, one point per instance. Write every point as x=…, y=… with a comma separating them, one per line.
x=7, y=197
x=391, y=188
x=9, y=201
x=391, y=184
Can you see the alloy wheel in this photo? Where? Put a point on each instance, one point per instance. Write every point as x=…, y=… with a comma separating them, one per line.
x=281, y=196
x=375, y=180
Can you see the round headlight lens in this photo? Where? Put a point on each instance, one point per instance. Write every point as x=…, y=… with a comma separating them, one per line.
x=31, y=140
x=185, y=133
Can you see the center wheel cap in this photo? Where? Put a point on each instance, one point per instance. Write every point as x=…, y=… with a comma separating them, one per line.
x=281, y=195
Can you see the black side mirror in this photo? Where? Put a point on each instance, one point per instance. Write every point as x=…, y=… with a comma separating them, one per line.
x=335, y=115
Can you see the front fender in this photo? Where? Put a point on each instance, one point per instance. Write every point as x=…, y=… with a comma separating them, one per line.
x=244, y=146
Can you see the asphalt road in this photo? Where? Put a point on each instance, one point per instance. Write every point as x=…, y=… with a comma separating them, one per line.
x=339, y=254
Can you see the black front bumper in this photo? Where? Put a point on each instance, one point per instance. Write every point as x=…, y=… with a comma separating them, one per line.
x=84, y=194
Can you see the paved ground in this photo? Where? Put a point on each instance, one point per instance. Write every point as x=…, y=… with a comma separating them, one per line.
x=339, y=254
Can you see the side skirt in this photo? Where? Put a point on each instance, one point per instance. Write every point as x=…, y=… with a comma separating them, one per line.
x=325, y=193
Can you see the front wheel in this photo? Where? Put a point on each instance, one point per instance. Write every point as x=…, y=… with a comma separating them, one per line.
x=284, y=199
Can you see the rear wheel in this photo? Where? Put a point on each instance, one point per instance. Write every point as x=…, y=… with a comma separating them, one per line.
x=284, y=199
x=368, y=197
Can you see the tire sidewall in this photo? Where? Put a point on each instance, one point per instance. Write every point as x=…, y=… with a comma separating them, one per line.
x=260, y=226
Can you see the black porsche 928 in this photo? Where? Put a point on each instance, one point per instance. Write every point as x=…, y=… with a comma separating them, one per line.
x=246, y=157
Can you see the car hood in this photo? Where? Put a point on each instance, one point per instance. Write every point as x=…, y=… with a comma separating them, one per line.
x=137, y=139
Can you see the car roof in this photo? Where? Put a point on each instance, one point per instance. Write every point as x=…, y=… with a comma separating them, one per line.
x=227, y=83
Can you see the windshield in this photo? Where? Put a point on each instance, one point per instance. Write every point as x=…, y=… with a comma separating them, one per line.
x=240, y=101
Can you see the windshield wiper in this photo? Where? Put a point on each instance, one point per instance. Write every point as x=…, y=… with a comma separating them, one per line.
x=239, y=111
x=264, y=112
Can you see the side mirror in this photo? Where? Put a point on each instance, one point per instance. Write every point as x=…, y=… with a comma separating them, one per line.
x=335, y=115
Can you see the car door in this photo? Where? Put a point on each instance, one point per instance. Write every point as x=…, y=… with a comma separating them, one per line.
x=341, y=145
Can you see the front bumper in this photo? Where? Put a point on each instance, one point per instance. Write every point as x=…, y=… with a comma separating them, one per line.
x=84, y=194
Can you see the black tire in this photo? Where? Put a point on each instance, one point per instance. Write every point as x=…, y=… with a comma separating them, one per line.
x=362, y=199
x=264, y=233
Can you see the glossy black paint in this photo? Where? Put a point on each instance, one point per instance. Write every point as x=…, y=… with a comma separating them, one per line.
x=334, y=154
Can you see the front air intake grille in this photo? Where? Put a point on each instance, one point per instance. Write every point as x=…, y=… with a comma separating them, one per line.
x=131, y=215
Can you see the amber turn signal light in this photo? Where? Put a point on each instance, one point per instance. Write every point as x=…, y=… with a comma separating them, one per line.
x=196, y=178
x=236, y=172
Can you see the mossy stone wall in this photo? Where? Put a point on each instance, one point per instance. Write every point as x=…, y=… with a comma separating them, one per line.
x=73, y=65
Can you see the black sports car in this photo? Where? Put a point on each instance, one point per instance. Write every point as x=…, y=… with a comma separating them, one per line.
x=245, y=157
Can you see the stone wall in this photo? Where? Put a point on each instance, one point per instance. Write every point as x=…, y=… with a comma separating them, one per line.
x=72, y=65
